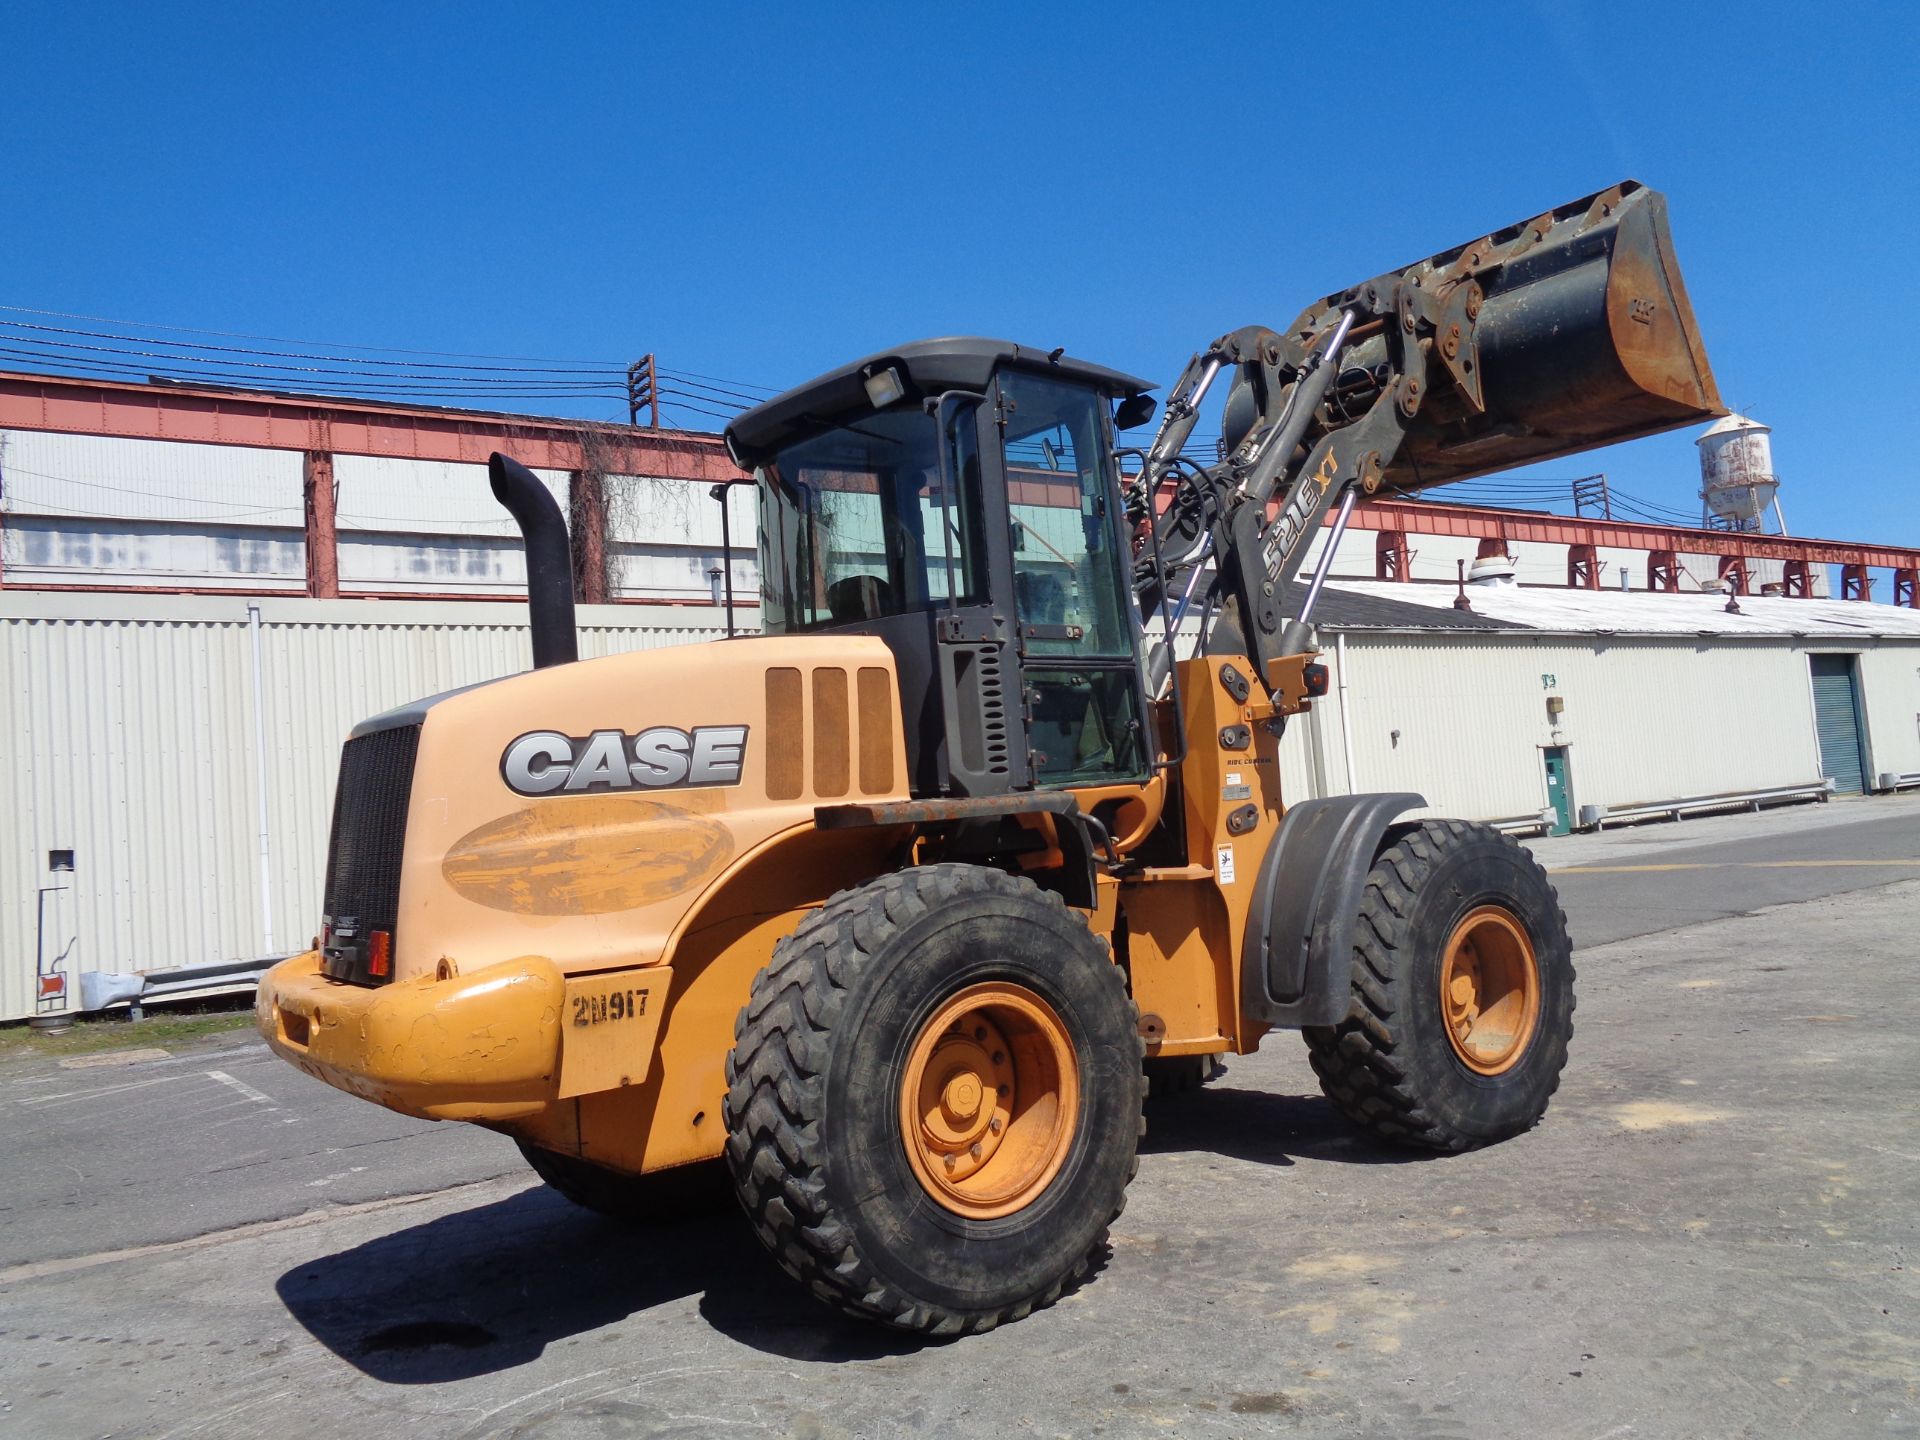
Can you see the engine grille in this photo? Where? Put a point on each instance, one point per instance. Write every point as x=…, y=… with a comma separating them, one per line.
x=363, y=855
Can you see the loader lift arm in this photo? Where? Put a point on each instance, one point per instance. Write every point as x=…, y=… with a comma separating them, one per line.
x=1559, y=334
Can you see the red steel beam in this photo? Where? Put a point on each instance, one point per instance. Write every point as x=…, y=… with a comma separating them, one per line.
x=352, y=427
x=1425, y=517
x=360, y=427
x=323, y=545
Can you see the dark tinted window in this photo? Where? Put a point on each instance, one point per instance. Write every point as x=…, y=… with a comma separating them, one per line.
x=1085, y=729
x=854, y=523
x=1067, y=567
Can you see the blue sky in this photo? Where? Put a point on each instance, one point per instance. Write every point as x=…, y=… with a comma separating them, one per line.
x=762, y=192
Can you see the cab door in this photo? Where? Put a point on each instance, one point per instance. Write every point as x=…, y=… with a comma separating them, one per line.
x=1069, y=564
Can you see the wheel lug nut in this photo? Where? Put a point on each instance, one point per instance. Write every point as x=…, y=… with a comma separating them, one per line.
x=974, y=1150
x=950, y=1159
x=999, y=1057
x=980, y=1033
x=994, y=1125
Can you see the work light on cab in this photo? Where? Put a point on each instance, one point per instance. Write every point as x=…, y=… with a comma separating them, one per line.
x=884, y=386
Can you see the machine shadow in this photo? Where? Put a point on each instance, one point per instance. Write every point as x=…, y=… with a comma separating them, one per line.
x=1263, y=1127
x=491, y=1288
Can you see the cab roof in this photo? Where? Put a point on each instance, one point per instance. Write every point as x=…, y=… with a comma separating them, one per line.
x=929, y=367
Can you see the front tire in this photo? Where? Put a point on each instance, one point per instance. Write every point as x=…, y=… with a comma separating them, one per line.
x=934, y=1099
x=1462, y=1001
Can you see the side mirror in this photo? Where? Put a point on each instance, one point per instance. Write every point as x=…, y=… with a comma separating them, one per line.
x=1133, y=412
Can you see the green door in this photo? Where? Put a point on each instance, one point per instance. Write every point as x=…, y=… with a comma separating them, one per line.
x=1558, y=790
x=1836, y=716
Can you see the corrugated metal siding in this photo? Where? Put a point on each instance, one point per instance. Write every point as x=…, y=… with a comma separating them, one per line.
x=98, y=509
x=424, y=497
x=1645, y=719
x=115, y=727
x=133, y=746
x=665, y=538
x=1428, y=718
x=1890, y=696
x=427, y=525
x=48, y=473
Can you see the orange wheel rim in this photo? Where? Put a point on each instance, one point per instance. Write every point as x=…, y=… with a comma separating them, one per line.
x=989, y=1100
x=1489, y=990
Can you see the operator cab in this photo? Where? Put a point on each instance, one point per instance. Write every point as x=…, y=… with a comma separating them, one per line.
x=959, y=499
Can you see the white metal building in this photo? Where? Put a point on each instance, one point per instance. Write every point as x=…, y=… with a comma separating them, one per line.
x=160, y=514
x=1619, y=702
x=170, y=758
x=194, y=821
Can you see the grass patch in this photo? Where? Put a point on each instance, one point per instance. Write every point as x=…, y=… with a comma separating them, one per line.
x=174, y=1026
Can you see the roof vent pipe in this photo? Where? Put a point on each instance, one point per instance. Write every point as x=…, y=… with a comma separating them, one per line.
x=543, y=536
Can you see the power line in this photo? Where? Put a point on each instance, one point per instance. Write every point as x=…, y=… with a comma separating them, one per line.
x=123, y=358
x=283, y=340
x=9, y=469
x=666, y=404
x=739, y=388
x=291, y=354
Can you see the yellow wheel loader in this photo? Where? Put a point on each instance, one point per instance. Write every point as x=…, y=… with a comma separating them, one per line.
x=887, y=907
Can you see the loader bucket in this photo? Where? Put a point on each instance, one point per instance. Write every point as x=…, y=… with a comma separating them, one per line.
x=1583, y=337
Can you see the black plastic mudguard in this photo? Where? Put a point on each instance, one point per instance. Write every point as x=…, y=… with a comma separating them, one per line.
x=1298, y=956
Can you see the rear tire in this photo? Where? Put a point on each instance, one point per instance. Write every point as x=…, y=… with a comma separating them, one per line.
x=1462, y=1003
x=682, y=1193
x=934, y=1099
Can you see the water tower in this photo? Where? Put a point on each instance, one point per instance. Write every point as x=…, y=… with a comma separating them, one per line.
x=1737, y=483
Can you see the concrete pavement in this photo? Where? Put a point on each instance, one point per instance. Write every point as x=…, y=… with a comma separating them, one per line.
x=1712, y=1233
x=1647, y=878
x=177, y=1146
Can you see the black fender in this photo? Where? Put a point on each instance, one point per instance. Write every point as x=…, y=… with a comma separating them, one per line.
x=1297, y=959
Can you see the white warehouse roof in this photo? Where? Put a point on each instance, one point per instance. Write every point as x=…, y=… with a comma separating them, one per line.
x=1625, y=612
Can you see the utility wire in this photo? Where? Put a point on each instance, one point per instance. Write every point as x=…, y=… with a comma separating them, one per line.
x=734, y=389
x=135, y=359
x=295, y=354
x=283, y=340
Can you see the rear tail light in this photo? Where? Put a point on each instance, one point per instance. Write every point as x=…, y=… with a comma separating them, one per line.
x=1314, y=677
x=380, y=953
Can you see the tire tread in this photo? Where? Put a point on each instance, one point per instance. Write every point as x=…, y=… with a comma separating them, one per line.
x=776, y=1078
x=1357, y=1060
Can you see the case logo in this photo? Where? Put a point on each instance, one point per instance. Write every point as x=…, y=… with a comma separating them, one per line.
x=545, y=762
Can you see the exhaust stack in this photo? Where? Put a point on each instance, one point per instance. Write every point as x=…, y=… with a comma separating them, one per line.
x=543, y=535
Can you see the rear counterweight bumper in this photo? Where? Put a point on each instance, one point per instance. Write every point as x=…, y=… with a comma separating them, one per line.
x=481, y=1046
